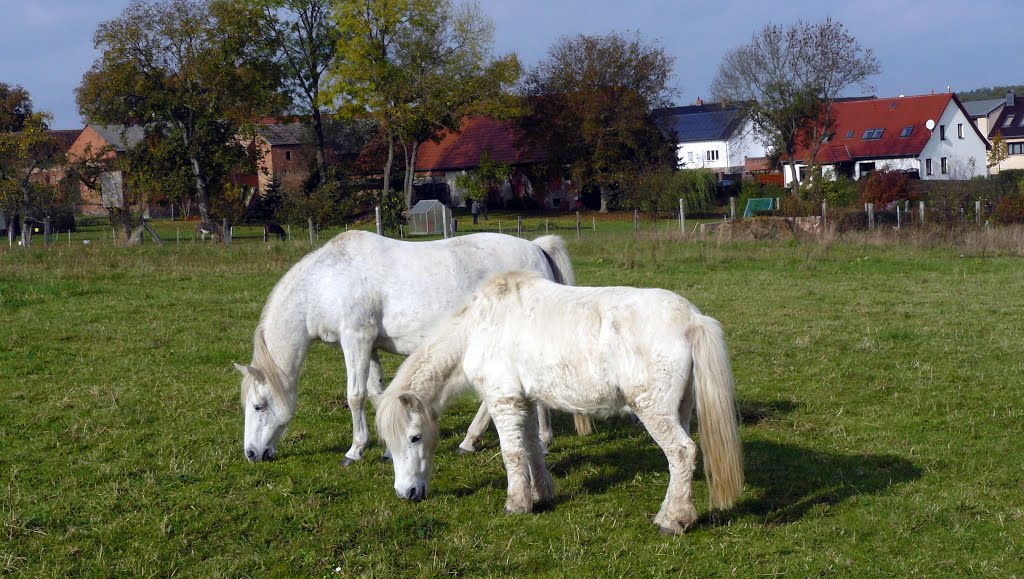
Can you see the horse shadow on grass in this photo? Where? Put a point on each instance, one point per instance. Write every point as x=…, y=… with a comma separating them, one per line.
x=783, y=481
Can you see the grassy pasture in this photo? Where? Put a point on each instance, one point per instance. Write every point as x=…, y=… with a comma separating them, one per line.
x=880, y=389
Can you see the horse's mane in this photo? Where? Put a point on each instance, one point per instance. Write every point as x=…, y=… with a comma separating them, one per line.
x=394, y=411
x=275, y=378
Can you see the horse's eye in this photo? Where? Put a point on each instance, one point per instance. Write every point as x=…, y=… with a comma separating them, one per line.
x=259, y=406
x=416, y=439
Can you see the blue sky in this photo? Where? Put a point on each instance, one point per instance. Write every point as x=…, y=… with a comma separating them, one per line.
x=923, y=45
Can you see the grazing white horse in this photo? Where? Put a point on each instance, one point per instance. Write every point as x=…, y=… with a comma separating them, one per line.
x=523, y=339
x=367, y=293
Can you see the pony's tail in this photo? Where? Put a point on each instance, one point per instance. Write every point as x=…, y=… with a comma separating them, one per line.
x=553, y=247
x=558, y=258
x=716, y=411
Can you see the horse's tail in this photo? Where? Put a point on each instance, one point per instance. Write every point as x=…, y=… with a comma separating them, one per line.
x=553, y=247
x=558, y=258
x=716, y=411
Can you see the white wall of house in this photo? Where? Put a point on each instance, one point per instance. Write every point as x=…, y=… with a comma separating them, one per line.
x=965, y=152
x=721, y=155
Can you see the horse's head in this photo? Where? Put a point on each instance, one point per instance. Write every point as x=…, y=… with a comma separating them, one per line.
x=267, y=412
x=409, y=428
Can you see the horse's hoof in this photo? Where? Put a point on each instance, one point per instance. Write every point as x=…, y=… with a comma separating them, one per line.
x=348, y=461
x=462, y=451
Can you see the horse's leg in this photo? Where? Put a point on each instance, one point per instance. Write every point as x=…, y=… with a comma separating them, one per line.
x=544, y=424
x=542, y=486
x=686, y=406
x=677, y=511
x=375, y=387
x=476, y=429
x=510, y=417
x=357, y=350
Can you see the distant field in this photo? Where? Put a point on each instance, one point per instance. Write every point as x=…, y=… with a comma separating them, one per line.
x=880, y=388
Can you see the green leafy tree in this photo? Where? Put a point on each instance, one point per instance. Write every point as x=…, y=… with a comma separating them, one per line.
x=588, y=108
x=786, y=80
x=418, y=66
x=25, y=148
x=487, y=178
x=308, y=41
x=999, y=151
x=199, y=69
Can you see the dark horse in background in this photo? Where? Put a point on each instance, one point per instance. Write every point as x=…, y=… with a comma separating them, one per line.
x=271, y=228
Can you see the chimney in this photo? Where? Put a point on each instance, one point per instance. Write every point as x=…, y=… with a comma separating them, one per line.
x=1009, y=98
x=700, y=102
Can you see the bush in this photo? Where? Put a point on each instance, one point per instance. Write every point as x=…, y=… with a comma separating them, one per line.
x=1010, y=209
x=885, y=186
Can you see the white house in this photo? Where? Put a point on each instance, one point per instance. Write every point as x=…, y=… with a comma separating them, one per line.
x=710, y=136
x=928, y=136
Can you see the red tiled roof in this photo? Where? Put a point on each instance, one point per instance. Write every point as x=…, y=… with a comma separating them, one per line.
x=892, y=115
x=462, y=150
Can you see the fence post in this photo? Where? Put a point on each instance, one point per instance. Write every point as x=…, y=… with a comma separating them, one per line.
x=977, y=212
x=177, y=235
x=380, y=222
x=871, y=215
x=309, y=220
x=519, y=226
x=226, y=231
x=899, y=217
x=921, y=207
x=499, y=226
x=46, y=231
x=682, y=217
x=732, y=208
x=545, y=226
x=444, y=223
x=636, y=222
x=824, y=216
x=578, y=233
x=593, y=223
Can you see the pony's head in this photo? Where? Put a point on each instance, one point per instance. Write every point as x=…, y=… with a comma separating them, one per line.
x=267, y=402
x=409, y=428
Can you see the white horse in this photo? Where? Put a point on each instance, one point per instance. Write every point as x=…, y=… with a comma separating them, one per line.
x=523, y=339
x=366, y=292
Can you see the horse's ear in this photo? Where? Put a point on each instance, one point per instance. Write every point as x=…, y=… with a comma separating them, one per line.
x=408, y=401
x=252, y=371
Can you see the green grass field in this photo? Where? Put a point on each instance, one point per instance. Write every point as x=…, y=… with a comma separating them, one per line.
x=880, y=388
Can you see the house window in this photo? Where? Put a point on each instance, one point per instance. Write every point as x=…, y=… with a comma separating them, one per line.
x=960, y=130
x=873, y=134
x=866, y=169
x=827, y=137
x=712, y=155
x=1015, y=148
x=287, y=155
x=942, y=132
x=944, y=168
x=906, y=131
x=1008, y=122
x=849, y=134
x=689, y=156
x=927, y=166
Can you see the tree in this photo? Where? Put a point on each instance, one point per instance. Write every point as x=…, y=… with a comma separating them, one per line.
x=787, y=79
x=309, y=44
x=488, y=177
x=999, y=151
x=25, y=148
x=197, y=69
x=588, y=107
x=418, y=67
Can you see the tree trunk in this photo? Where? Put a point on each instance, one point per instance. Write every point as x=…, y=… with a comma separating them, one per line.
x=318, y=132
x=387, y=168
x=604, y=200
x=410, y=171
x=202, y=193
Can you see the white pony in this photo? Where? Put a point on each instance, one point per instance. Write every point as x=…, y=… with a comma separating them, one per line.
x=366, y=292
x=523, y=339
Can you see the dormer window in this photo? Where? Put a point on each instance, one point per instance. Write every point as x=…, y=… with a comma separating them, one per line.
x=1008, y=122
x=849, y=134
x=827, y=137
x=906, y=131
x=873, y=134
